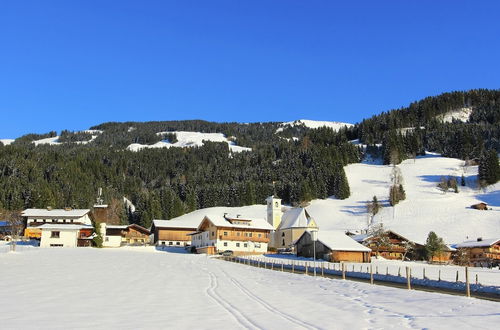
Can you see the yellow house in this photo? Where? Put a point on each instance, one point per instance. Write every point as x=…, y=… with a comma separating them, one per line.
x=294, y=223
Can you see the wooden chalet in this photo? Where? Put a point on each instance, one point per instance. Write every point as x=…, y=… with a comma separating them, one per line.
x=482, y=252
x=217, y=233
x=119, y=235
x=480, y=206
x=396, y=249
x=334, y=246
x=173, y=232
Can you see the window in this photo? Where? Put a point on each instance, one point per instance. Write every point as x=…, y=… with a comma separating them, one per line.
x=249, y=234
x=283, y=243
x=225, y=233
x=225, y=243
x=72, y=220
x=54, y=220
x=170, y=243
x=245, y=245
x=275, y=204
x=257, y=245
x=283, y=234
x=44, y=221
x=54, y=234
x=56, y=245
x=259, y=235
x=64, y=220
x=238, y=234
x=162, y=243
x=178, y=243
x=237, y=244
x=213, y=233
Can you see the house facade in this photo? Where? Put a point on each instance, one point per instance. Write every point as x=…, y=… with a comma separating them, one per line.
x=482, y=252
x=217, y=233
x=173, y=232
x=119, y=235
x=333, y=246
x=35, y=218
x=65, y=235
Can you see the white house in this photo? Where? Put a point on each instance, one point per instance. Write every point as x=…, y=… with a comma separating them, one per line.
x=65, y=235
x=217, y=233
x=38, y=217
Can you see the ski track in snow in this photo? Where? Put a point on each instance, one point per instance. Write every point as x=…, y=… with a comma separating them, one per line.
x=267, y=306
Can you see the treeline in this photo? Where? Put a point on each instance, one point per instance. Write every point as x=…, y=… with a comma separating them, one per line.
x=165, y=183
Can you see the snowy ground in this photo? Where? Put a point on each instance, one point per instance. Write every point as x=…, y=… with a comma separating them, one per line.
x=143, y=288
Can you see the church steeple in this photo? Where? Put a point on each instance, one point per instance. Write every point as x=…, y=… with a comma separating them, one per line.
x=274, y=213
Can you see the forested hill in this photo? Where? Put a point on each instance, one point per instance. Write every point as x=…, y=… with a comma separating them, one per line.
x=296, y=162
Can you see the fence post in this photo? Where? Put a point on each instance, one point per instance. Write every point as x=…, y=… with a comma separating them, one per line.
x=387, y=271
x=293, y=267
x=371, y=274
x=439, y=276
x=272, y=265
x=376, y=269
x=323, y=270
x=399, y=271
x=424, y=273
x=282, y=267
x=343, y=271
x=456, y=279
x=477, y=281
x=408, y=278
x=306, y=268
x=467, y=284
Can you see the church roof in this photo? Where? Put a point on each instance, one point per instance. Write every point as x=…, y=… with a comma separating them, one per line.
x=296, y=218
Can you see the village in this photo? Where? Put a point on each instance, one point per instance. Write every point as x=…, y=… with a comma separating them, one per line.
x=286, y=230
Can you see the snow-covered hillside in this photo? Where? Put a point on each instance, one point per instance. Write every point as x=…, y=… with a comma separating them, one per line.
x=314, y=124
x=189, y=139
x=6, y=142
x=462, y=114
x=425, y=209
x=89, y=288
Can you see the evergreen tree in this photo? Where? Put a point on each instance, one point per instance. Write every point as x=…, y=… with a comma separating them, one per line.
x=434, y=245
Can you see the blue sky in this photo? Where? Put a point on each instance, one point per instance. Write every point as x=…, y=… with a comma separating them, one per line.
x=74, y=64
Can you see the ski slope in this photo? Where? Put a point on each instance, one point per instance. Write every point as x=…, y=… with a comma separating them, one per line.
x=141, y=288
x=189, y=139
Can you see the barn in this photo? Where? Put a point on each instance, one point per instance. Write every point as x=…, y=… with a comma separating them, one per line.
x=334, y=246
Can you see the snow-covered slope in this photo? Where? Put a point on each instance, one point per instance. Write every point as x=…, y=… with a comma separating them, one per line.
x=425, y=209
x=314, y=124
x=189, y=139
x=462, y=114
x=51, y=141
x=6, y=142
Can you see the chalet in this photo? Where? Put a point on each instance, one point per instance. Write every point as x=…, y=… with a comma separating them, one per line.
x=288, y=226
x=217, y=233
x=397, y=249
x=173, y=232
x=334, y=246
x=482, y=252
x=480, y=206
x=35, y=218
x=116, y=235
x=65, y=235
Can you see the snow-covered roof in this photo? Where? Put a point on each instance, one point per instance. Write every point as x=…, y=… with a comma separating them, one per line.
x=296, y=218
x=339, y=241
x=55, y=213
x=221, y=221
x=116, y=227
x=50, y=226
x=478, y=243
x=187, y=223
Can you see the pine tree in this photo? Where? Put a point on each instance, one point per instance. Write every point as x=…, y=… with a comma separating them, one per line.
x=434, y=245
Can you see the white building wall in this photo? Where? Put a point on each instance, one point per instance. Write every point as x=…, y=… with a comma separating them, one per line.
x=39, y=220
x=112, y=241
x=251, y=247
x=68, y=238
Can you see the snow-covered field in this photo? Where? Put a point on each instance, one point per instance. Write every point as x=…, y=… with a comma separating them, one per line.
x=189, y=139
x=140, y=288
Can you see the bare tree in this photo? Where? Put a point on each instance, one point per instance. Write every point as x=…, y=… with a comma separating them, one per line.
x=372, y=208
x=408, y=247
x=16, y=225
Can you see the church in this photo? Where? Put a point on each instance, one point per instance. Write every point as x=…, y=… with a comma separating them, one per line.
x=288, y=225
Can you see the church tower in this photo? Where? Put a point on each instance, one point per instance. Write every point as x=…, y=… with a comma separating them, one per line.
x=274, y=213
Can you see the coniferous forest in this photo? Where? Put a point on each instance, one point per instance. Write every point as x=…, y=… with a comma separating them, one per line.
x=296, y=163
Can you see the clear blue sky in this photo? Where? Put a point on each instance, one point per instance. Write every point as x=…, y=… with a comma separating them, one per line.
x=73, y=64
